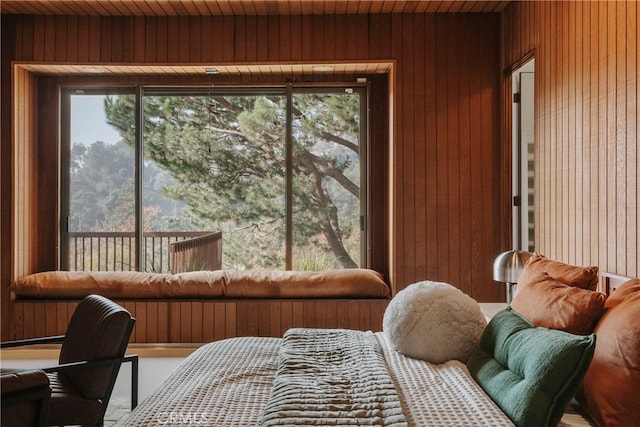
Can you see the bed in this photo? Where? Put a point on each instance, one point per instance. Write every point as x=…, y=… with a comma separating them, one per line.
x=228, y=383
x=345, y=377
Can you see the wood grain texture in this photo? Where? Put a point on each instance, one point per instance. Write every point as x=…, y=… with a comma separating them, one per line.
x=586, y=127
x=225, y=319
x=439, y=153
x=201, y=321
x=243, y=7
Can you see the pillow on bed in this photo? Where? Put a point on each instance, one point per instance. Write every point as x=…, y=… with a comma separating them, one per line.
x=530, y=373
x=580, y=277
x=610, y=389
x=434, y=321
x=551, y=304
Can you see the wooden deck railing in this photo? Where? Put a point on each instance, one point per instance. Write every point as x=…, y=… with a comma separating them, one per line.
x=115, y=251
x=198, y=253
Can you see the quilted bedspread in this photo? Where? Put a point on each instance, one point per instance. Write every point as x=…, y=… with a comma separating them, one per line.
x=229, y=383
x=332, y=377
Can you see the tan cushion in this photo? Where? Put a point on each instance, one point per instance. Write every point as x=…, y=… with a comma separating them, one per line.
x=611, y=386
x=547, y=303
x=197, y=284
x=347, y=283
x=580, y=277
x=119, y=284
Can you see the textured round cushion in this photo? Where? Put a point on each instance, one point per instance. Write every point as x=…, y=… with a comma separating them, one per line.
x=434, y=321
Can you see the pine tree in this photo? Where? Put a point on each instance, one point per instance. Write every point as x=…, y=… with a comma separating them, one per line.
x=227, y=157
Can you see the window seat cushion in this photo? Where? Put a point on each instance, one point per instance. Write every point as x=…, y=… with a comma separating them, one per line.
x=347, y=283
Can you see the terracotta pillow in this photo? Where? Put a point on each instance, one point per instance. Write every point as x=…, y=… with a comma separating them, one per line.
x=580, y=277
x=547, y=303
x=609, y=392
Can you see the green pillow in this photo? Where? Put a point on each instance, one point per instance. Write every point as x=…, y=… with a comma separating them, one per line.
x=530, y=373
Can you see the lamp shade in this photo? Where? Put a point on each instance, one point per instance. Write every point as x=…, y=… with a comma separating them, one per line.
x=508, y=266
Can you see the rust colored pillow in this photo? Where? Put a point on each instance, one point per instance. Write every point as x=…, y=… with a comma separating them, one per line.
x=548, y=303
x=609, y=392
x=580, y=277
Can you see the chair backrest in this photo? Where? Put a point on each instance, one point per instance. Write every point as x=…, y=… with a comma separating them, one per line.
x=99, y=329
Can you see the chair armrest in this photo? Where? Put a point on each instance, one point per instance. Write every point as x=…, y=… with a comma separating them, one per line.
x=131, y=358
x=31, y=341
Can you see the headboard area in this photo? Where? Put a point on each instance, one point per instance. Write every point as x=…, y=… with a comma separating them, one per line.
x=609, y=282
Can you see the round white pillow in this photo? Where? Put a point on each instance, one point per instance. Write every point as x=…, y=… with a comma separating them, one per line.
x=434, y=321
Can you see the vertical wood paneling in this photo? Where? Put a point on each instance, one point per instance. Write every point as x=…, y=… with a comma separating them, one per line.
x=209, y=320
x=38, y=324
x=586, y=143
x=28, y=321
x=445, y=163
x=478, y=239
x=429, y=118
x=51, y=317
x=61, y=318
x=463, y=252
x=196, y=322
x=405, y=155
x=420, y=143
x=578, y=81
x=144, y=316
x=174, y=321
x=25, y=165
x=452, y=163
x=633, y=154
x=18, y=329
x=152, y=326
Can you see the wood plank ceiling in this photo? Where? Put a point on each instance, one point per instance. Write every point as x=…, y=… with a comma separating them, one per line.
x=243, y=7
x=231, y=8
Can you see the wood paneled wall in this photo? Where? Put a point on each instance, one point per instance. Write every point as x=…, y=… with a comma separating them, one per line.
x=449, y=213
x=204, y=321
x=26, y=173
x=7, y=52
x=586, y=173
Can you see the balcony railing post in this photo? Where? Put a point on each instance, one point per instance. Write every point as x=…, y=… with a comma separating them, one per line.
x=116, y=250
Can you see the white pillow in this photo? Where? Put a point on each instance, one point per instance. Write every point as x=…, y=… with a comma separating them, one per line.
x=434, y=321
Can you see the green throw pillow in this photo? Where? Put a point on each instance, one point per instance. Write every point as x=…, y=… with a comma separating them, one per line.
x=530, y=373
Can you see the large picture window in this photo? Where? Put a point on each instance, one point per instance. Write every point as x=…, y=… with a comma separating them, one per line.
x=280, y=172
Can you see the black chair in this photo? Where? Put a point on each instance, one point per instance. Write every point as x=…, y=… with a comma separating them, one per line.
x=25, y=398
x=92, y=351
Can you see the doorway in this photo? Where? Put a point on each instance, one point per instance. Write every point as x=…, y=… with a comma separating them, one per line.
x=523, y=156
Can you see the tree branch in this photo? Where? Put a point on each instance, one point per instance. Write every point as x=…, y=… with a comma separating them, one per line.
x=341, y=141
x=328, y=169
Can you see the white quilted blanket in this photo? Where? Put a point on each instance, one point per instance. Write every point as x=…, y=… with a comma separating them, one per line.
x=228, y=384
x=332, y=377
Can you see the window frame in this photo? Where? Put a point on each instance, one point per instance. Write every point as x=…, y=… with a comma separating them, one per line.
x=140, y=90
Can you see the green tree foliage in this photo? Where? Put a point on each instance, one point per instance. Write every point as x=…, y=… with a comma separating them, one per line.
x=102, y=192
x=226, y=155
x=101, y=178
